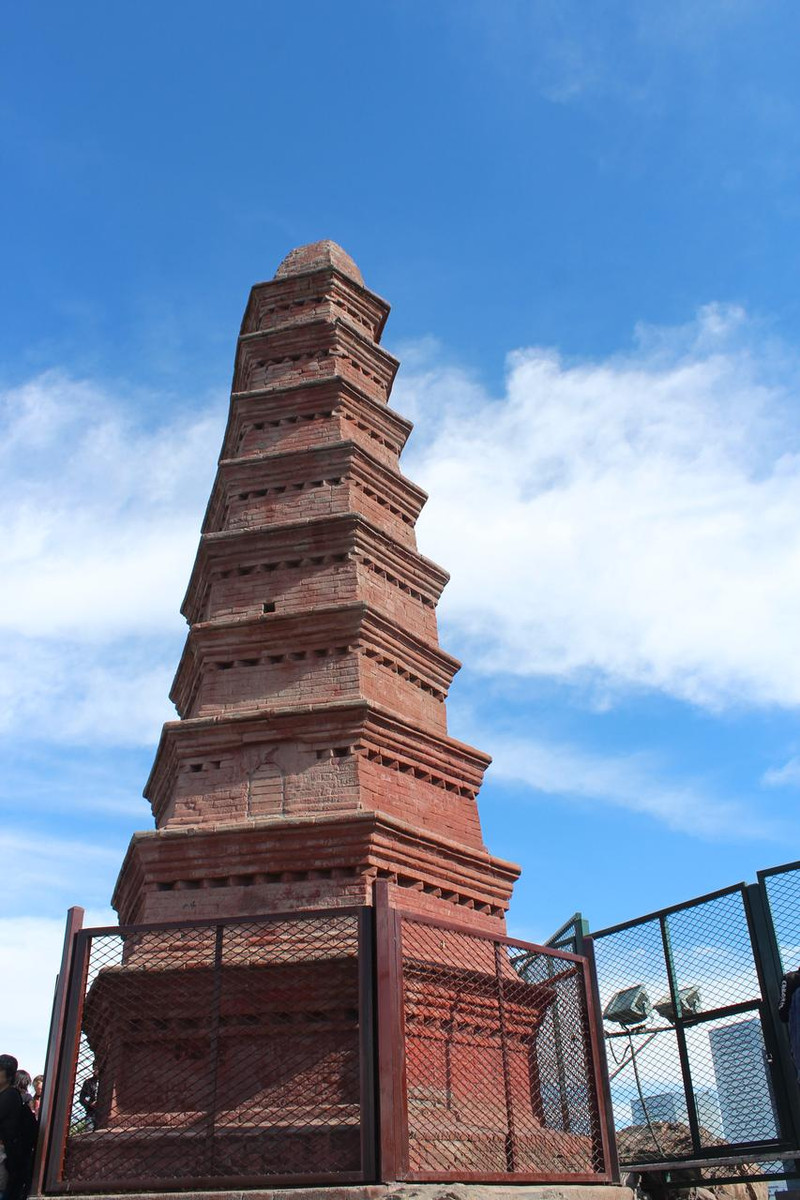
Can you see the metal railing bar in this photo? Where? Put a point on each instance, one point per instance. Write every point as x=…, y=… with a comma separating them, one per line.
x=666, y=912
x=210, y=922
x=439, y=923
x=760, y=1152
x=503, y=1177
x=200, y=1183
x=784, y=869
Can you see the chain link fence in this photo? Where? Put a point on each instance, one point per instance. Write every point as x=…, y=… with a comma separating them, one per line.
x=229, y=1052
x=501, y=1072
x=247, y=1053
x=782, y=887
x=691, y=1039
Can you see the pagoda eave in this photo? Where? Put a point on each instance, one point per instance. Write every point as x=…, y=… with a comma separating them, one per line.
x=331, y=859
x=269, y=295
x=341, y=465
x=249, y=642
x=315, y=348
x=249, y=549
x=308, y=401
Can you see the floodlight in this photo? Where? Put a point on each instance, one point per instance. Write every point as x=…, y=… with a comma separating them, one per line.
x=631, y=1006
x=689, y=998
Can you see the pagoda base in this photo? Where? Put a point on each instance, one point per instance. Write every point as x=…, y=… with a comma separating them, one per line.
x=394, y=1191
x=175, y=875
x=246, y=1067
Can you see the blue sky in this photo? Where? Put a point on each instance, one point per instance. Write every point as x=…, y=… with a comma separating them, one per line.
x=586, y=221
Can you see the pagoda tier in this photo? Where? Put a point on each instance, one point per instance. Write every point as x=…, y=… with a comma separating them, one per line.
x=311, y=755
x=292, y=566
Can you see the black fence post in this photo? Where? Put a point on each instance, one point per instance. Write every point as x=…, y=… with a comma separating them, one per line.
x=680, y=1036
x=603, y=1080
x=367, y=1042
x=776, y=1037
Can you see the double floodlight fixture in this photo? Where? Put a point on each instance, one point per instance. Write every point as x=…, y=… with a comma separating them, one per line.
x=631, y=1006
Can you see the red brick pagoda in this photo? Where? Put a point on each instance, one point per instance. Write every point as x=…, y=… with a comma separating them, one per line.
x=310, y=982
x=311, y=756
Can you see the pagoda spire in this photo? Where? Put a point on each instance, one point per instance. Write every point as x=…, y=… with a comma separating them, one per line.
x=311, y=754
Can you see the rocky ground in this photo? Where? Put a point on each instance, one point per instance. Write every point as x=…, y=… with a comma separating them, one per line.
x=636, y=1144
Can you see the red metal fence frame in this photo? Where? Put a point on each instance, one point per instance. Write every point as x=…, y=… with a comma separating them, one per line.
x=384, y=1123
x=394, y=1139
x=51, y=1173
x=54, y=1046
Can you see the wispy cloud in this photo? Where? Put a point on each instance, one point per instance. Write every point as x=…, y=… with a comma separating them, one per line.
x=572, y=53
x=634, y=782
x=631, y=521
x=38, y=854
x=101, y=508
x=50, y=873
x=786, y=776
x=73, y=693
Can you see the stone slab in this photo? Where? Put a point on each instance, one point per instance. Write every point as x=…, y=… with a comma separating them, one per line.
x=400, y=1191
x=508, y=1191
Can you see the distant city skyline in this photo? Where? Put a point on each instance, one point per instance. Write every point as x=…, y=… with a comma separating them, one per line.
x=671, y=1106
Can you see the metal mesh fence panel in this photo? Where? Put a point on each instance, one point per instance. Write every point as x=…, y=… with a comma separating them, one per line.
x=783, y=895
x=711, y=952
x=570, y=936
x=499, y=1070
x=217, y=1052
x=683, y=1011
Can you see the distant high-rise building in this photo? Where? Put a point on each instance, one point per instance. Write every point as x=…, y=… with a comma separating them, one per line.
x=743, y=1083
x=671, y=1106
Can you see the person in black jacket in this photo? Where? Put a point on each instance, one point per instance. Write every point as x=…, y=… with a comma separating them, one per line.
x=14, y=1132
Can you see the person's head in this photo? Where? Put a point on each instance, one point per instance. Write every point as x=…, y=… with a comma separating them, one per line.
x=22, y=1081
x=8, y=1070
x=38, y=1084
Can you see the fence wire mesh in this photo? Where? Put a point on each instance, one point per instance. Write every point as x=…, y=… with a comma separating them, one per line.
x=499, y=1070
x=217, y=1052
x=684, y=1025
x=782, y=886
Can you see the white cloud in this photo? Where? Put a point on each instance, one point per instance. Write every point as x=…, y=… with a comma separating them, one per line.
x=71, y=692
x=101, y=510
x=631, y=521
x=628, y=523
x=630, y=782
x=51, y=864
x=786, y=776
